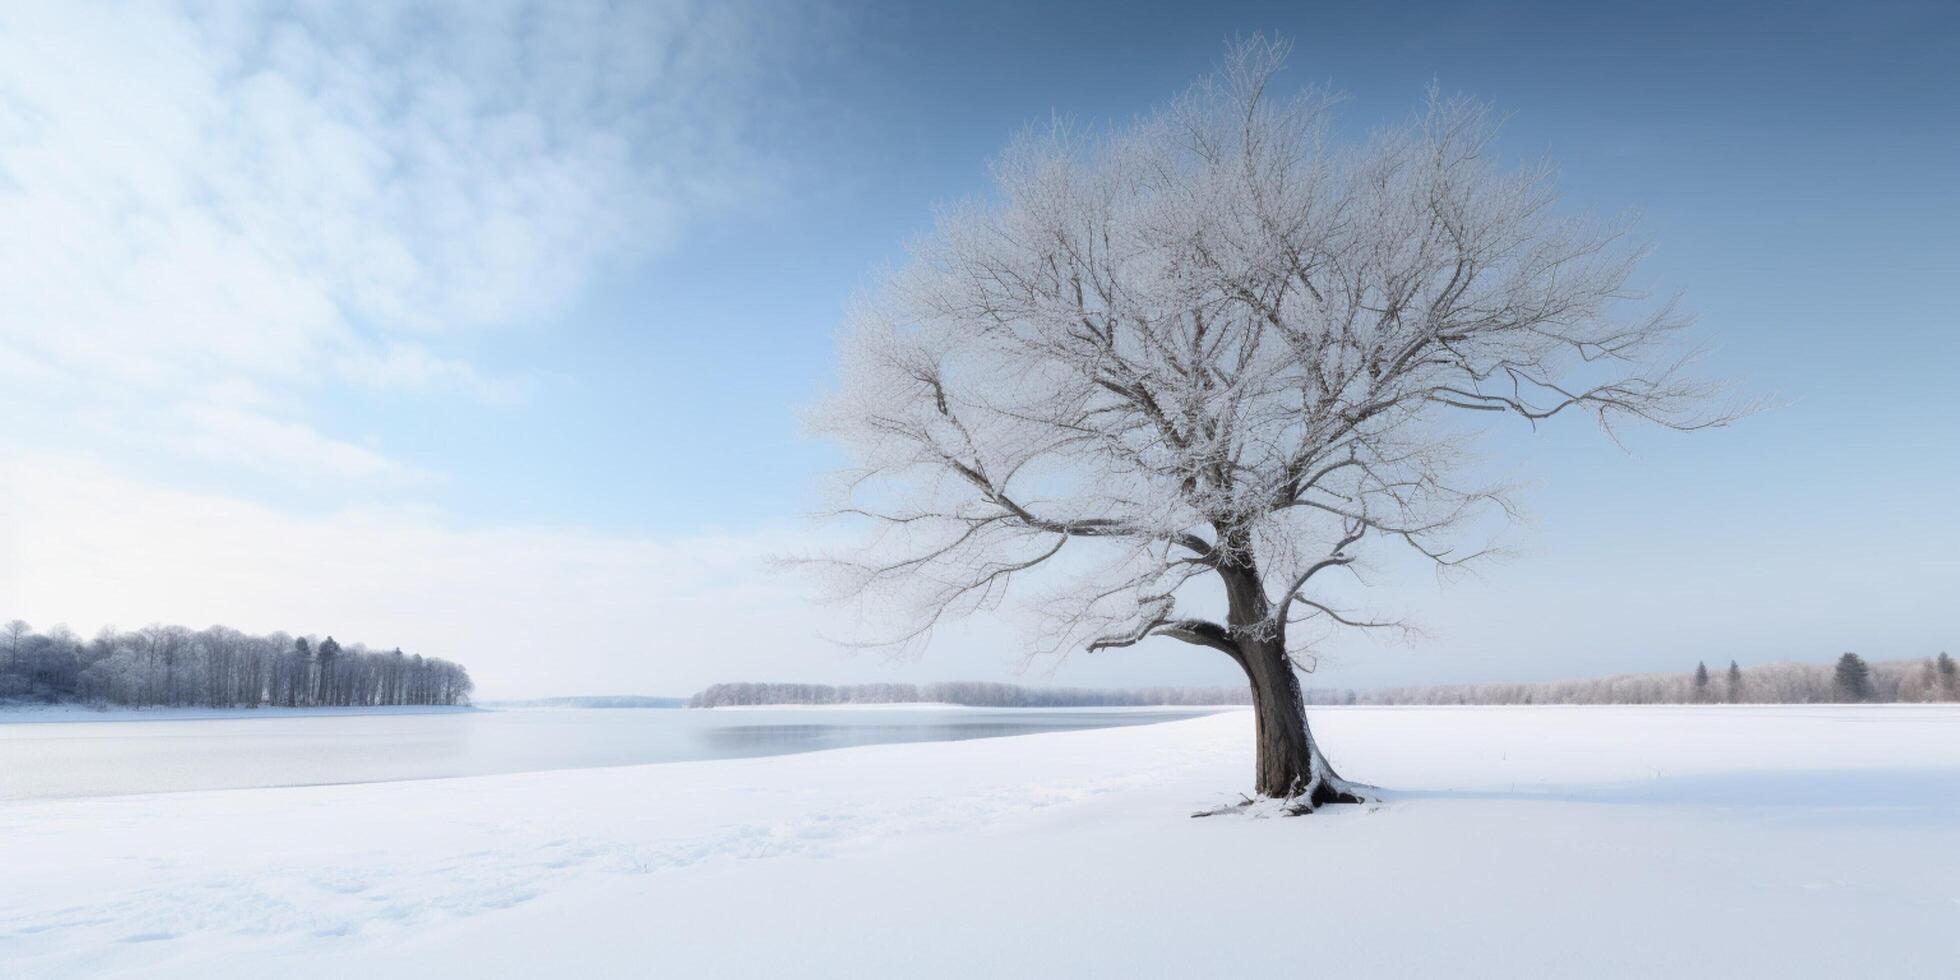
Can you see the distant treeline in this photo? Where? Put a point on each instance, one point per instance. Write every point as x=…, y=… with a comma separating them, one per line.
x=976, y=694
x=218, y=667
x=1851, y=679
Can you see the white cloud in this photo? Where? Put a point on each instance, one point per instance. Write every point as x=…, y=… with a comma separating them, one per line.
x=232, y=434
x=284, y=194
x=214, y=216
x=407, y=366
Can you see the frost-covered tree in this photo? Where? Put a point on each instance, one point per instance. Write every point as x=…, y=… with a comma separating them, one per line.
x=1852, y=678
x=1701, y=681
x=1184, y=372
x=216, y=667
x=1949, y=677
x=1734, y=687
x=1921, y=685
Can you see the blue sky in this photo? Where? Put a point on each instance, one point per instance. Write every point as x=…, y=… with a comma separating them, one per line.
x=474, y=327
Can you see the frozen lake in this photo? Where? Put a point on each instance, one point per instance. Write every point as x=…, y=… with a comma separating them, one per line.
x=111, y=758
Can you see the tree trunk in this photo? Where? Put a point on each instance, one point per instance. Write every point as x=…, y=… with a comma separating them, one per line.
x=1289, y=764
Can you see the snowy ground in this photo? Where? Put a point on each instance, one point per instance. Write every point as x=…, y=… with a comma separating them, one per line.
x=1564, y=842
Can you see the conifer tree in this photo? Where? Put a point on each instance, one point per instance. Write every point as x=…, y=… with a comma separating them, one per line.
x=1853, y=678
x=300, y=692
x=329, y=655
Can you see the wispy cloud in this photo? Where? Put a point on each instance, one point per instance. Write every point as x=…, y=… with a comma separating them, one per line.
x=234, y=434
x=292, y=194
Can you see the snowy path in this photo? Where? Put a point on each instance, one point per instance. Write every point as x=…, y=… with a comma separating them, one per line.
x=1548, y=841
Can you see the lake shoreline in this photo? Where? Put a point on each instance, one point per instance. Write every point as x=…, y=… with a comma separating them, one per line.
x=29, y=714
x=949, y=706
x=205, y=749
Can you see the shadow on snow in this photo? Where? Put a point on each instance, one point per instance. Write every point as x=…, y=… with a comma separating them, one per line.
x=1908, y=795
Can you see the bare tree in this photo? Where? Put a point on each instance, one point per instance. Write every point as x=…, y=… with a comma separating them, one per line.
x=1219, y=353
x=13, y=631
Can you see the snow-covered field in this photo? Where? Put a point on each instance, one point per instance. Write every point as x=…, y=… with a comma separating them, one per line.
x=1711, y=841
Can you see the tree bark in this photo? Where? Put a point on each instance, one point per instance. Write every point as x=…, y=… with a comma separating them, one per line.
x=1289, y=764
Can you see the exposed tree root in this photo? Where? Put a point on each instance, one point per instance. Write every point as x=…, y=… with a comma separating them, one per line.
x=1324, y=790
x=1324, y=793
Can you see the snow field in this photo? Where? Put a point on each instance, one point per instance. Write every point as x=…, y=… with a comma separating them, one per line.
x=1701, y=841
